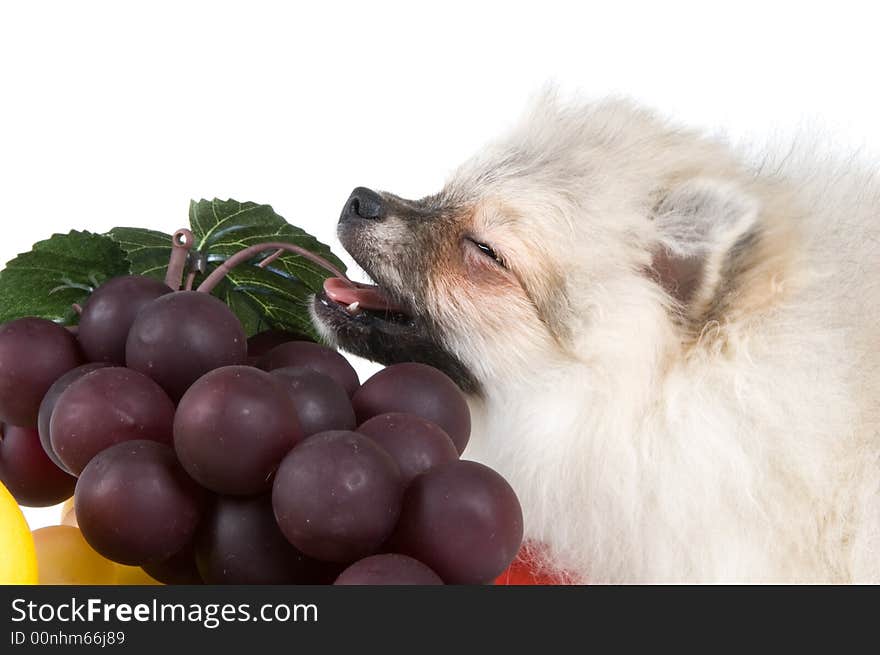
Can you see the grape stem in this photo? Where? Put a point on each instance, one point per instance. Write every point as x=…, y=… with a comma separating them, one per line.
x=181, y=243
x=252, y=251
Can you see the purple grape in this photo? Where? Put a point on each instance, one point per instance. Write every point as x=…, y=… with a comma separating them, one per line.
x=34, y=353
x=305, y=354
x=179, y=337
x=233, y=427
x=463, y=520
x=48, y=406
x=109, y=312
x=239, y=543
x=321, y=404
x=415, y=444
x=178, y=569
x=262, y=342
x=136, y=505
x=27, y=471
x=388, y=569
x=337, y=496
x=105, y=407
x=416, y=389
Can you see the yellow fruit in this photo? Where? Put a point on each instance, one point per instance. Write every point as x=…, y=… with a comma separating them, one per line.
x=18, y=561
x=65, y=558
x=68, y=514
x=133, y=575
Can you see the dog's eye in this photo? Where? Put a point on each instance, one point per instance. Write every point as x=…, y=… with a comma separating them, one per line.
x=488, y=251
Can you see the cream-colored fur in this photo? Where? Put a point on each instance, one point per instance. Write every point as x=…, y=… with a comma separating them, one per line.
x=732, y=437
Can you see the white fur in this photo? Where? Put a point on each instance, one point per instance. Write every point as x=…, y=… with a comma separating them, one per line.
x=749, y=455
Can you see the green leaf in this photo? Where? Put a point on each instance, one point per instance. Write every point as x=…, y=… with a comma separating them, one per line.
x=64, y=269
x=56, y=273
x=147, y=250
x=278, y=294
x=275, y=300
x=249, y=314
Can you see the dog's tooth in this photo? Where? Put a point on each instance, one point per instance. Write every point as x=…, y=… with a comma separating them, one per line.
x=353, y=306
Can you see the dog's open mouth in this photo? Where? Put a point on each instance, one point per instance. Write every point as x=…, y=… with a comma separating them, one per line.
x=362, y=301
x=381, y=322
x=366, y=320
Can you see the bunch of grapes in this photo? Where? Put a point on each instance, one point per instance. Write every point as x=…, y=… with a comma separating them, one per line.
x=202, y=456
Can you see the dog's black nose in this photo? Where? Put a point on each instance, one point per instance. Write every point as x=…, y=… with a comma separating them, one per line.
x=363, y=203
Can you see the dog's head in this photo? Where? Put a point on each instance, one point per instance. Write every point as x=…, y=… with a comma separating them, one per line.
x=585, y=226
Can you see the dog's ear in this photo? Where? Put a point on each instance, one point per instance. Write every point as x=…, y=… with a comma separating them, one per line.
x=699, y=224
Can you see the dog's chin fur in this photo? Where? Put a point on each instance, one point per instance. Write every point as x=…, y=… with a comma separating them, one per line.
x=716, y=423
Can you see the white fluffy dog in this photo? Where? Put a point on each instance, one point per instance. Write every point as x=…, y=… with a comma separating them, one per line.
x=673, y=355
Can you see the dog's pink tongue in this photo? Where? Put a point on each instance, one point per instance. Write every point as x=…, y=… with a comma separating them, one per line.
x=346, y=292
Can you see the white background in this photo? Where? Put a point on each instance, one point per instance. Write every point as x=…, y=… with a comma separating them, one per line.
x=117, y=113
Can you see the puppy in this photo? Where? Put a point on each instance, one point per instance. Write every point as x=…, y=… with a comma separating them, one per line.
x=673, y=355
